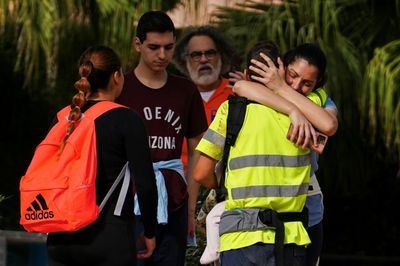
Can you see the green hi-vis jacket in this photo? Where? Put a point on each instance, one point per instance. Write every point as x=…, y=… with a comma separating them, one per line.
x=265, y=170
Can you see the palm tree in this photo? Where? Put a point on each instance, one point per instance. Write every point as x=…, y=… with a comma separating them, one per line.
x=380, y=101
x=43, y=30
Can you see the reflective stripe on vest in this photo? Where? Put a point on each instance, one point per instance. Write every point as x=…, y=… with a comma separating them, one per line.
x=268, y=191
x=269, y=160
x=215, y=138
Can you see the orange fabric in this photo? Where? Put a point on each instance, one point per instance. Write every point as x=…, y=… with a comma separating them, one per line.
x=58, y=192
x=211, y=106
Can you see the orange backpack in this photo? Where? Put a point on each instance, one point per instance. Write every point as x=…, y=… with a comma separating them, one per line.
x=58, y=192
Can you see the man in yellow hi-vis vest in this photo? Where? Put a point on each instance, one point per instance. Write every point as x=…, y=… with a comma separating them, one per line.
x=266, y=179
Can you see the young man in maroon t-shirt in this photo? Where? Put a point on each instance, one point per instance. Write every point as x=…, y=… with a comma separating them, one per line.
x=172, y=109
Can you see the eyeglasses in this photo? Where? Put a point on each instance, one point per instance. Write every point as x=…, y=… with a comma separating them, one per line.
x=209, y=54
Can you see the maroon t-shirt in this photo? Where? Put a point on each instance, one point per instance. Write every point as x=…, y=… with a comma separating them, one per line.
x=170, y=113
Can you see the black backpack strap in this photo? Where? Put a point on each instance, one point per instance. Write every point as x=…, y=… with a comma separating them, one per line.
x=235, y=119
x=275, y=219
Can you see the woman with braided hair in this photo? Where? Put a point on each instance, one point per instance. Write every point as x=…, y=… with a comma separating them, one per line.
x=120, y=137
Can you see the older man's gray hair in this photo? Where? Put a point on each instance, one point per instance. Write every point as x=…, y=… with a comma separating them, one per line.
x=226, y=51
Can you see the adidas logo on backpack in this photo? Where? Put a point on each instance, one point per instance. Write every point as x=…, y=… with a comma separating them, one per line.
x=58, y=191
x=38, y=210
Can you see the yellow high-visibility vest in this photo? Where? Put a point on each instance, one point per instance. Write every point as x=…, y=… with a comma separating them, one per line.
x=265, y=171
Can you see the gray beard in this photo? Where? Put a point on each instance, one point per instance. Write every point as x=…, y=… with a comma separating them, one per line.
x=205, y=79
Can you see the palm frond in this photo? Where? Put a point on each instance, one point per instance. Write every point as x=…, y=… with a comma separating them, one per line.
x=117, y=25
x=40, y=26
x=35, y=28
x=382, y=93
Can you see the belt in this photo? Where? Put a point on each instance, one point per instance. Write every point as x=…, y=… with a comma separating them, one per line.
x=258, y=219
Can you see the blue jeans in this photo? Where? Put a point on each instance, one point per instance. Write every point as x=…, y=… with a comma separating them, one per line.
x=263, y=255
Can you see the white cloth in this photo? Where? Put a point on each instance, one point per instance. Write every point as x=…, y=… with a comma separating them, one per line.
x=206, y=95
x=211, y=252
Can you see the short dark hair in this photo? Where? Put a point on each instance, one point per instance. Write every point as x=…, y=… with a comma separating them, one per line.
x=226, y=51
x=267, y=47
x=313, y=54
x=154, y=21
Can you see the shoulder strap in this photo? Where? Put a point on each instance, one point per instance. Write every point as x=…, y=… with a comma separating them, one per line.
x=125, y=173
x=100, y=108
x=236, y=114
x=93, y=112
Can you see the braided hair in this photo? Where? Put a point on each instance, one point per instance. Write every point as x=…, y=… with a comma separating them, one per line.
x=96, y=65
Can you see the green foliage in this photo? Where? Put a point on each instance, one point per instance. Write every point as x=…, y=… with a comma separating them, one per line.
x=38, y=29
x=2, y=198
x=380, y=100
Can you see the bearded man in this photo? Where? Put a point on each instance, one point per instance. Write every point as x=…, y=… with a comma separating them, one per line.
x=204, y=55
